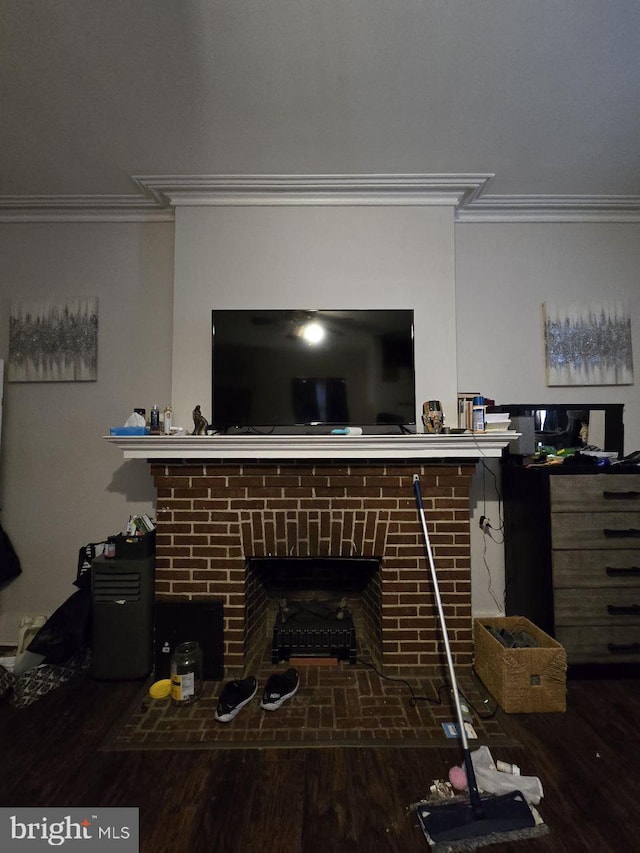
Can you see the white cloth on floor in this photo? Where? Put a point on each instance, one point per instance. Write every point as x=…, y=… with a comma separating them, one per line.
x=494, y=781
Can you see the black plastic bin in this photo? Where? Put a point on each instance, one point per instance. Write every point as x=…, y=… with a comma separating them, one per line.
x=135, y=547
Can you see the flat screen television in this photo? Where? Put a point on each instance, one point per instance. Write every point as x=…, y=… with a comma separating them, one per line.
x=315, y=368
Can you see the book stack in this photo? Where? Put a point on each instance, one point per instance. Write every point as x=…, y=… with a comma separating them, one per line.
x=465, y=409
x=139, y=525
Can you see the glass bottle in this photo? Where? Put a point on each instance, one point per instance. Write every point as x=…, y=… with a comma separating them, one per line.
x=167, y=420
x=154, y=422
x=186, y=673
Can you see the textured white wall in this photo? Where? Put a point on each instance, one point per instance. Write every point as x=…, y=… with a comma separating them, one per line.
x=314, y=257
x=61, y=484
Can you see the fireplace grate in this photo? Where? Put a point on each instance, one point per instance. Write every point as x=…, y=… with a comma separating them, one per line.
x=309, y=634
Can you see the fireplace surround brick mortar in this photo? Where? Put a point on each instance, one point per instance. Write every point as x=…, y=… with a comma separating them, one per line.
x=213, y=516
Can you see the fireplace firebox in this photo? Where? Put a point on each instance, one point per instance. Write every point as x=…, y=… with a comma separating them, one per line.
x=314, y=605
x=314, y=628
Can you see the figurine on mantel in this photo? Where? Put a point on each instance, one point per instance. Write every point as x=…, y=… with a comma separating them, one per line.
x=200, y=423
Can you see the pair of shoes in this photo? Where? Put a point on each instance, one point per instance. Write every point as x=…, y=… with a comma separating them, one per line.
x=238, y=693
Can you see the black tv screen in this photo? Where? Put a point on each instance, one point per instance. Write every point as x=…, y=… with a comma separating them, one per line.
x=286, y=368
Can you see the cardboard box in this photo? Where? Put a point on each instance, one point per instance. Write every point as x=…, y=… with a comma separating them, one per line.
x=522, y=681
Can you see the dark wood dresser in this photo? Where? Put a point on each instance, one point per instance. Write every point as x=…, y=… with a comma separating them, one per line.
x=572, y=557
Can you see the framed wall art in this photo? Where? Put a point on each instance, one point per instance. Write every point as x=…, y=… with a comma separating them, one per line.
x=53, y=341
x=588, y=343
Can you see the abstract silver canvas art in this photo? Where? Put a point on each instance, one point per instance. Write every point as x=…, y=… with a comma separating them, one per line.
x=588, y=343
x=53, y=341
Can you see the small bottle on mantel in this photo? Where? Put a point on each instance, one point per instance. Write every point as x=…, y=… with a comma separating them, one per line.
x=167, y=420
x=477, y=416
x=154, y=421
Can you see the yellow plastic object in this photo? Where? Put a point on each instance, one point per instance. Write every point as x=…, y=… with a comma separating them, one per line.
x=160, y=689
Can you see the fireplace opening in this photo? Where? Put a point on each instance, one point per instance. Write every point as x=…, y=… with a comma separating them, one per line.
x=313, y=607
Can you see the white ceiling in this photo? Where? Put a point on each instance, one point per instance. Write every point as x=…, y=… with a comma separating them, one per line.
x=542, y=94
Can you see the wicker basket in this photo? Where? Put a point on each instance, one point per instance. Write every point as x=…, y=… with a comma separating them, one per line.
x=522, y=681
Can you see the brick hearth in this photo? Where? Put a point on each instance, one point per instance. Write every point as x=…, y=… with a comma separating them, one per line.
x=215, y=515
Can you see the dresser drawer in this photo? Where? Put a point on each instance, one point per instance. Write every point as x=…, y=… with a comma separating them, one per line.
x=598, y=644
x=600, y=568
x=595, y=493
x=589, y=530
x=595, y=606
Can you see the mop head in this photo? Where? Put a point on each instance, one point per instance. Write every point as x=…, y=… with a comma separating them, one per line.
x=452, y=825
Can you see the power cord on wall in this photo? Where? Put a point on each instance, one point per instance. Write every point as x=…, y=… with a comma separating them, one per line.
x=485, y=524
x=490, y=590
x=496, y=534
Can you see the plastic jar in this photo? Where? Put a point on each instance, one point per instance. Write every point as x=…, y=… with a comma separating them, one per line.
x=110, y=548
x=186, y=673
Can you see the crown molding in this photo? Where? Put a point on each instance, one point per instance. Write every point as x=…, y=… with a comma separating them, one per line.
x=160, y=195
x=551, y=208
x=81, y=208
x=312, y=190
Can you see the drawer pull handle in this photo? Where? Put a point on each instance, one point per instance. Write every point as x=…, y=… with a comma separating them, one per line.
x=620, y=610
x=624, y=648
x=631, y=533
x=632, y=572
x=620, y=496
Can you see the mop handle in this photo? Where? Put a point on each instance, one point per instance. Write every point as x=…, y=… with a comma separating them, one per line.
x=471, y=777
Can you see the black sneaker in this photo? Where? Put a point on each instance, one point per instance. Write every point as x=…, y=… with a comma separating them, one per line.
x=279, y=688
x=235, y=695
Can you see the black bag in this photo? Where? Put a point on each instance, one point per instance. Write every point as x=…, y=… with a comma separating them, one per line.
x=67, y=631
x=9, y=563
x=86, y=556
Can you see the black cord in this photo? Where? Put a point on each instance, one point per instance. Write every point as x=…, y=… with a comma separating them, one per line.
x=487, y=470
x=413, y=701
x=414, y=698
x=501, y=607
x=480, y=716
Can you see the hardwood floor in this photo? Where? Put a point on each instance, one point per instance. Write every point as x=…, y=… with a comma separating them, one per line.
x=344, y=799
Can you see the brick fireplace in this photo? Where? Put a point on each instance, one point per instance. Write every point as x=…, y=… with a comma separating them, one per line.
x=214, y=515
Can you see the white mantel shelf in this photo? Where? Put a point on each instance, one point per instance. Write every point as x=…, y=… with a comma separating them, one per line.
x=422, y=446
